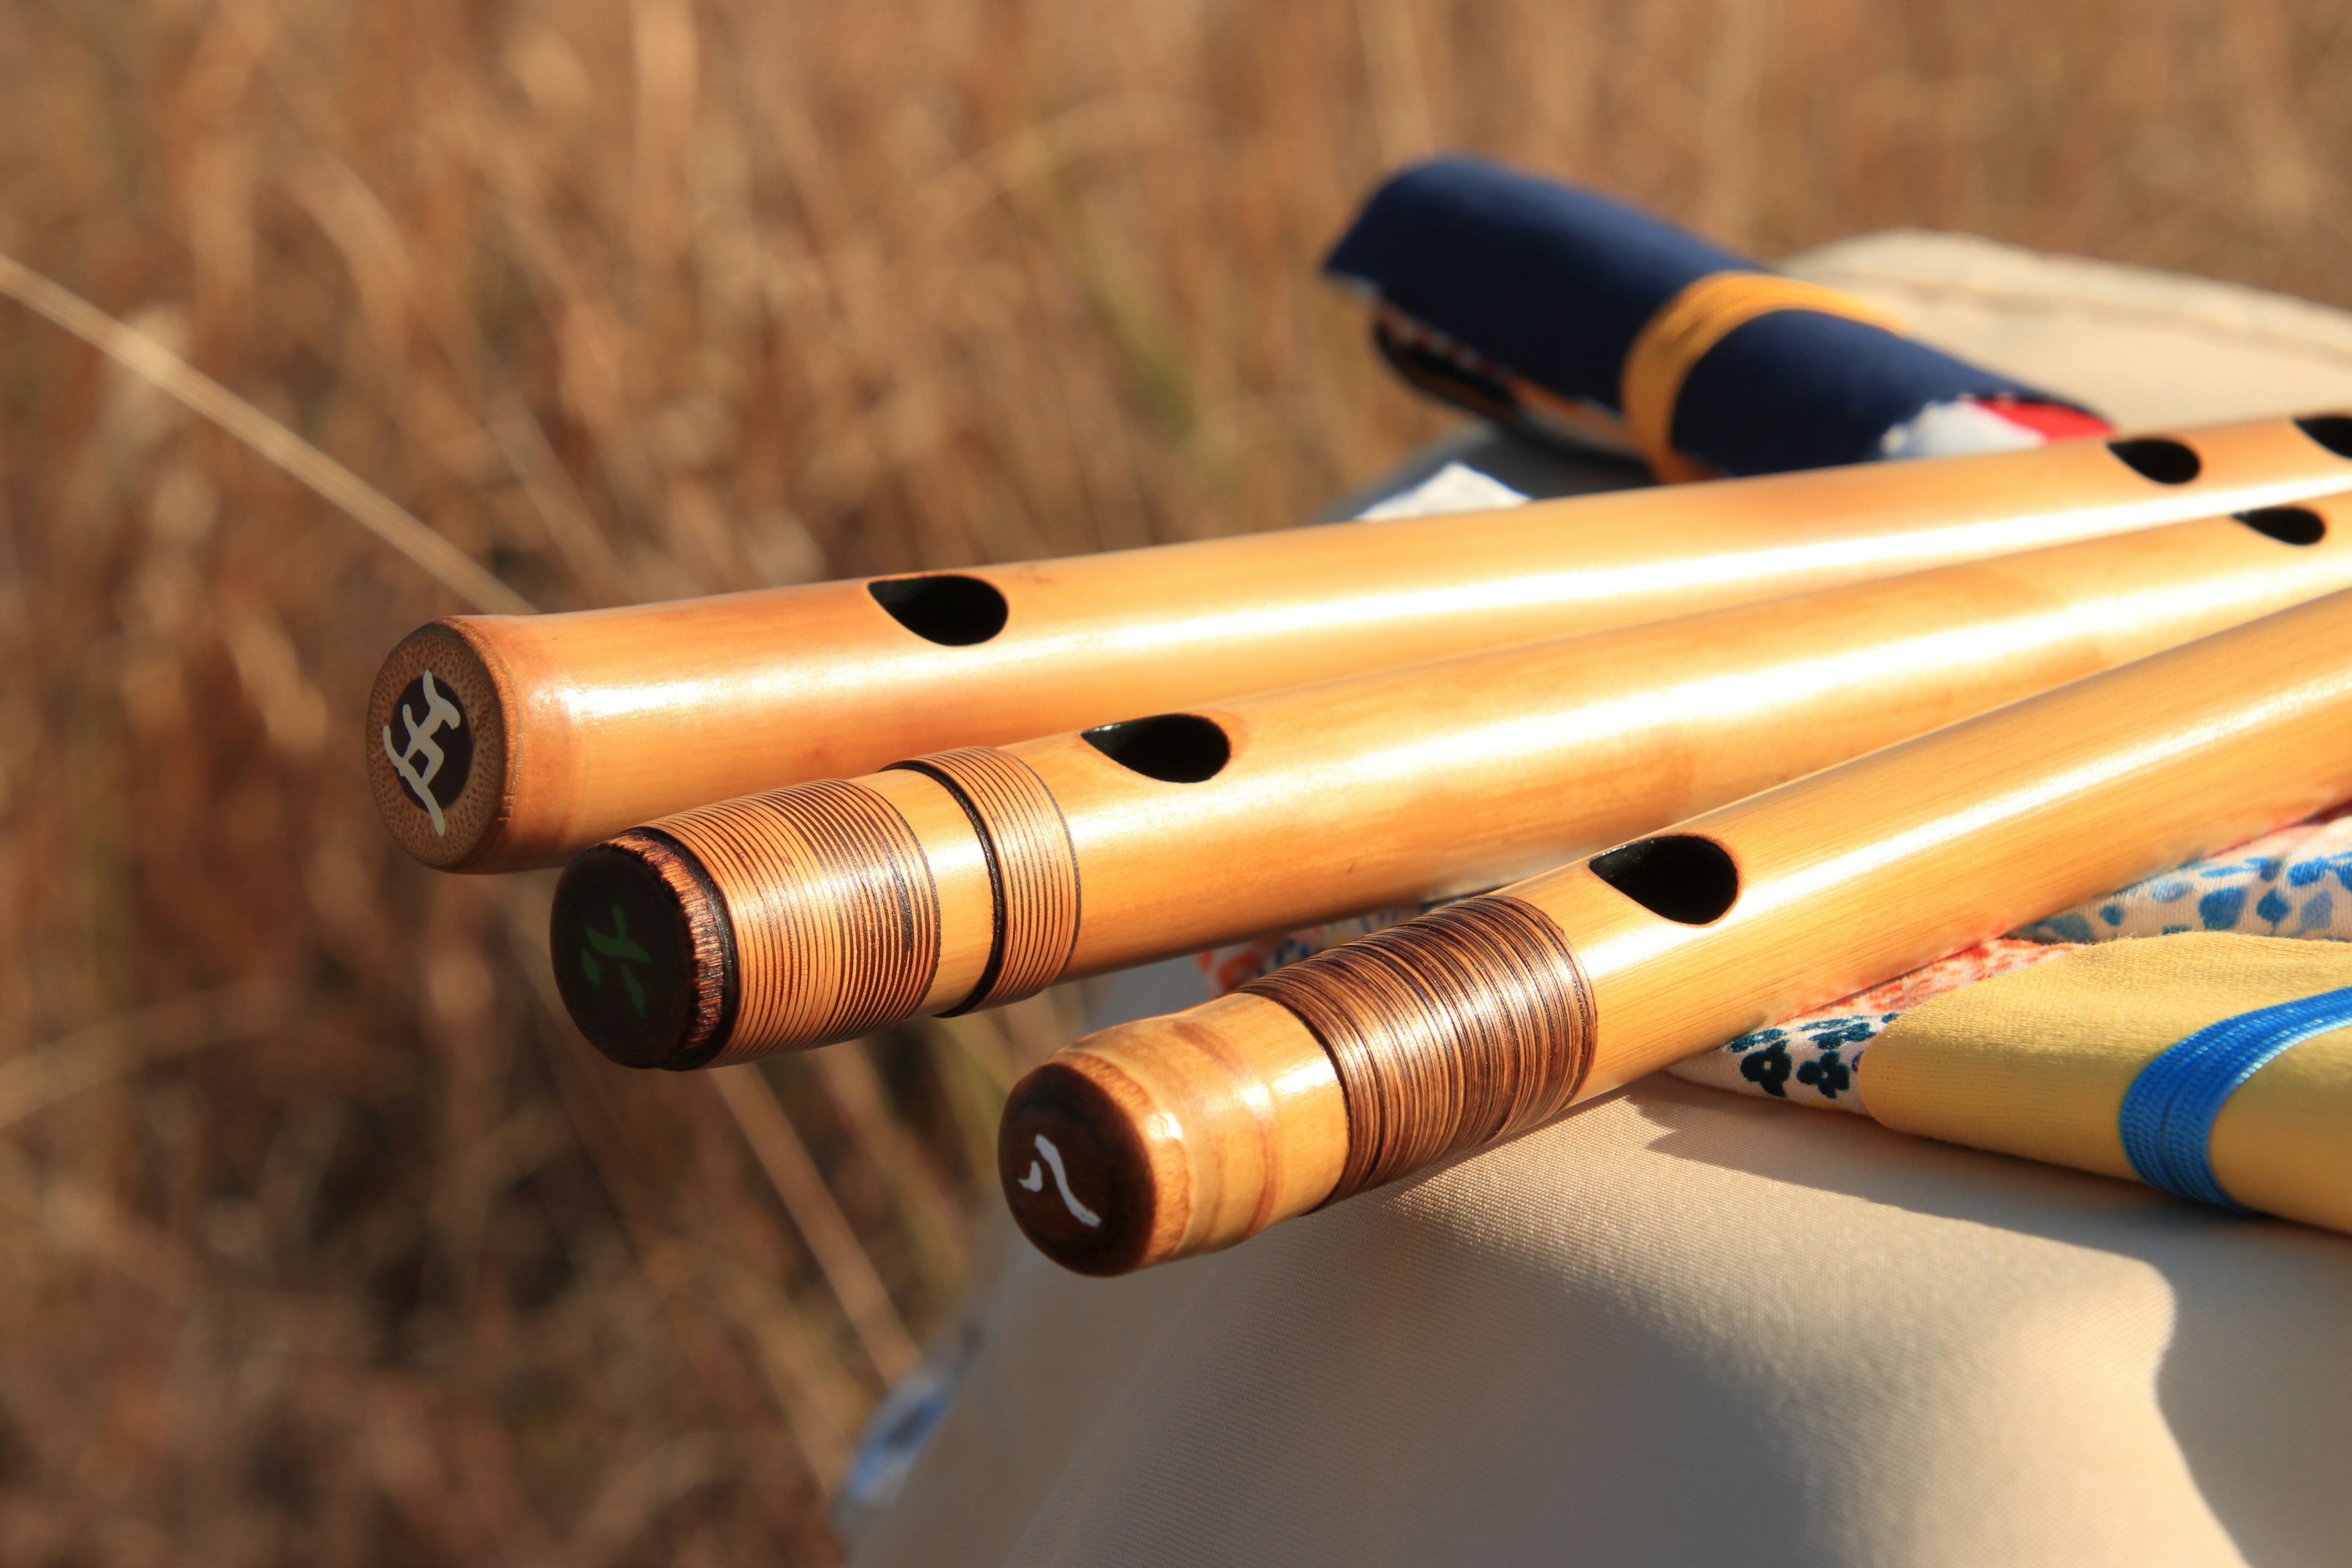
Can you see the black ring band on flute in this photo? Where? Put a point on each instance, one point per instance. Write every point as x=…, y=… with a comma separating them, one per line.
x=1033, y=870
x=995, y=963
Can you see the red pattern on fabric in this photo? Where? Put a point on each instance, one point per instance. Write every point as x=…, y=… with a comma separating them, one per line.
x=2050, y=421
x=2000, y=956
x=1228, y=969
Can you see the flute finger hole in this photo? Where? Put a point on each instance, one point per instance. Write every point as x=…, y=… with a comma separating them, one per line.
x=2160, y=457
x=951, y=610
x=2333, y=431
x=1174, y=748
x=1690, y=880
x=2287, y=524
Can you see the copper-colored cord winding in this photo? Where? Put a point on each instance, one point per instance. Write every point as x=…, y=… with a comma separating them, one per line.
x=835, y=917
x=1447, y=1032
x=1032, y=862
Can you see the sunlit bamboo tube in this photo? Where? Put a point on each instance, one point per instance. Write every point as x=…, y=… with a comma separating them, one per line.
x=497, y=742
x=980, y=876
x=1379, y=1058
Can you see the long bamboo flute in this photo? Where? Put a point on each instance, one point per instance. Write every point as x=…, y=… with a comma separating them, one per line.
x=975, y=877
x=1377, y=1060
x=495, y=742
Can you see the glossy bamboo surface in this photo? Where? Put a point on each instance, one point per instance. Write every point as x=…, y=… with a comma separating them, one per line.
x=552, y=732
x=1144, y=840
x=1185, y=1134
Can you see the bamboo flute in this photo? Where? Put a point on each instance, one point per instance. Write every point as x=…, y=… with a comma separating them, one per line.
x=497, y=742
x=976, y=877
x=1379, y=1058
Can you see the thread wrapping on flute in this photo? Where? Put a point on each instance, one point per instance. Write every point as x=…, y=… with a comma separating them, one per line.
x=850, y=900
x=818, y=913
x=819, y=895
x=1448, y=1032
x=1033, y=870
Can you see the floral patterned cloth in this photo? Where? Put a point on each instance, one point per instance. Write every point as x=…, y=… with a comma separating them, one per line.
x=1810, y=1059
x=2295, y=882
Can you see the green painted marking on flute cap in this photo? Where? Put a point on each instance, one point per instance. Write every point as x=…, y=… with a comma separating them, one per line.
x=625, y=961
x=618, y=947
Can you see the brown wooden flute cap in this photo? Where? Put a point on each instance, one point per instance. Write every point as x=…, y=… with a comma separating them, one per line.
x=643, y=952
x=1079, y=1173
x=1171, y=1136
x=436, y=744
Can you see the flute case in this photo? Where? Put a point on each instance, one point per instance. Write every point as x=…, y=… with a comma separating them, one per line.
x=1541, y=305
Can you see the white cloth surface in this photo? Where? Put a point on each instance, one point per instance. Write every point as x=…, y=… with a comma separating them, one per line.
x=1682, y=1327
x=1677, y=1327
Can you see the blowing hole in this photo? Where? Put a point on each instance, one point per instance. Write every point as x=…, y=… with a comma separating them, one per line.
x=2287, y=524
x=943, y=607
x=2157, y=457
x=1175, y=748
x=1687, y=879
x=2333, y=431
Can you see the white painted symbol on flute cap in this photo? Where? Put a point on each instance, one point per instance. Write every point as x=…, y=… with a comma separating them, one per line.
x=1035, y=1182
x=438, y=711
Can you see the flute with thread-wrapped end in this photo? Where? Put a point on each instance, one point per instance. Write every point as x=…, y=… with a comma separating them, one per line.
x=495, y=742
x=1377, y=1060
x=972, y=877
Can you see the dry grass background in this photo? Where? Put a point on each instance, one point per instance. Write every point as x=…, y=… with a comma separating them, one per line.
x=321, y=1239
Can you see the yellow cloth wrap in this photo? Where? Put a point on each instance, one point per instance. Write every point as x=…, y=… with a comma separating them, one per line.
x=2036, y=1063
x=1701, y=315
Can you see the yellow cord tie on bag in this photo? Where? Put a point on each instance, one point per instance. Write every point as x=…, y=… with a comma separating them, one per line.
x=1706, y=312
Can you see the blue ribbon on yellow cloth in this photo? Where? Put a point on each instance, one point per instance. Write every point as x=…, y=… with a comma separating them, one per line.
x=2168, y=1115
x=2212, y=1066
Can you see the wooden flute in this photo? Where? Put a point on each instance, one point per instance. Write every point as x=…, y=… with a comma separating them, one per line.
x=1376, y=1059
x=975, y=877
x=495, y=742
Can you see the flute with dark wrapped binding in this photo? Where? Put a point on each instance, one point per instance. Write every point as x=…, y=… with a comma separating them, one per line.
x=500, y=741
x=1379, y=1058
x=972, y=877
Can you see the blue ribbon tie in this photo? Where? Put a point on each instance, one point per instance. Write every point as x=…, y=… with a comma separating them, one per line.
x=2168, y=1114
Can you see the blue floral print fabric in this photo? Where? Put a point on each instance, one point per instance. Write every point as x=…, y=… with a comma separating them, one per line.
x=2297, y=882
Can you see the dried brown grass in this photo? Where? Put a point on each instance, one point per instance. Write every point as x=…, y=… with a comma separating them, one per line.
x=320, y=1240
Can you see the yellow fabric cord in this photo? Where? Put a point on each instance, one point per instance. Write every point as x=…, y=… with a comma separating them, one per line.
x=2036, y=1063
x=1696, y=319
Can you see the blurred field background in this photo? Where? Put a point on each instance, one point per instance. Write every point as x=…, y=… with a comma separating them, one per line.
x=323, y=1239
